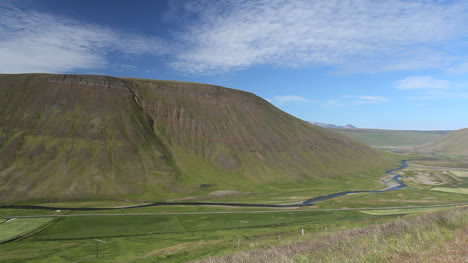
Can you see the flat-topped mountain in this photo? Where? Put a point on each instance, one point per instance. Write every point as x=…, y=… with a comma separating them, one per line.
x=75, y=137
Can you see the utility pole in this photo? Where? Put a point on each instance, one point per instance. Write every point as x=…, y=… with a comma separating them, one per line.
x=97, y=247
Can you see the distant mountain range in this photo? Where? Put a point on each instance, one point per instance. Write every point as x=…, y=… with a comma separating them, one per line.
x=328, y=125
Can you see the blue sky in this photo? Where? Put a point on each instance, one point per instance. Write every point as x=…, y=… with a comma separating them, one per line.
x=375, y=64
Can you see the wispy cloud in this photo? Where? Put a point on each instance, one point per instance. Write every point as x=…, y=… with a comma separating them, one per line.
x=232, y=35
x=282, y=100
x=229, y=35
x=440, y=94
x=422, y=83
x=37, y=42
x=428, y=88
x=347, y=100
x=365, y=99
x=460, y=68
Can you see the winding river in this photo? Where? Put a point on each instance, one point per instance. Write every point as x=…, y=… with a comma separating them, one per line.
x=309, y=202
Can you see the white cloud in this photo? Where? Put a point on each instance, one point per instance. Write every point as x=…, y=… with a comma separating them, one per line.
x=403, y=59
x=281, y=100
x=365, y=99
x=460, y=68
x=347, y=100
x=428, y=88
x=422, y=83
x=227, y=35
x=440, y=94
x=37, y=42
x=232, y=35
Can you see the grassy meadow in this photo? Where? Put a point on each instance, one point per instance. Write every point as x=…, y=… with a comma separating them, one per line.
x=375, y=137
x=16, y=227
x=172, y=238
x=433, y=237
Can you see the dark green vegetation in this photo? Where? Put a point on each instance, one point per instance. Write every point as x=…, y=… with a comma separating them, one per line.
x=455, y=143
x=376, y=137
x=72, y=137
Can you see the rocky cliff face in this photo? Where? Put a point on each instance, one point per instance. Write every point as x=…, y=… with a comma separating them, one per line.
x=70, y=137
x=89, y=81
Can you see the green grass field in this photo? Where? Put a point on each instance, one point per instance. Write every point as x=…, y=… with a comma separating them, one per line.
x=401, y=211
x=8, y=213
x=430, y=237
x=376, y=137
x=20, y=226
x=182, y=238
x=175, y=238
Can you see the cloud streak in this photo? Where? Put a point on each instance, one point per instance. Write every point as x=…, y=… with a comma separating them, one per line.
x=422, y=83
x=38, y=42
x=429, y=88
x=365, y=99
x=352, y=36
x=347, y=100
x=234, y=35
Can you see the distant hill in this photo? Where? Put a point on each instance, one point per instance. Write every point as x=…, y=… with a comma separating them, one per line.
x=376, y=137
x=328, y=125
x=78, y=137
x=453, y=143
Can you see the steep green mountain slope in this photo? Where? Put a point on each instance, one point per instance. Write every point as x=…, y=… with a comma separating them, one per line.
x=72, y=137
x=453, y=143
x=377, y=137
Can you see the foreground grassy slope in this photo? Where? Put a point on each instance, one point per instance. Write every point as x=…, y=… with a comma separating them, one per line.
x=72, y=137
x=173, y=238
x=376, y=137
x=434, y=237
x=452, y=143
